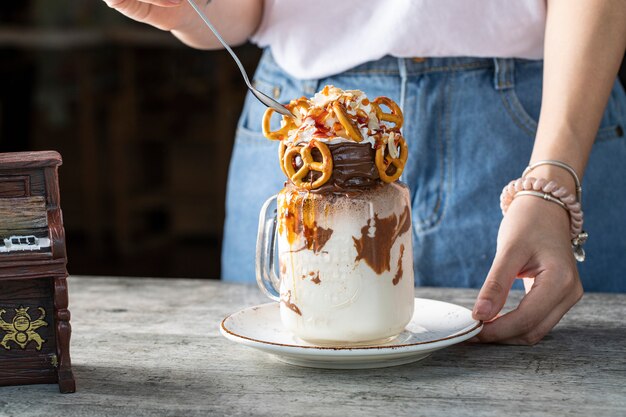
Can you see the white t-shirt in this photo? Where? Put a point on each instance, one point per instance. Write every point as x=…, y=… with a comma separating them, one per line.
x=318, y=38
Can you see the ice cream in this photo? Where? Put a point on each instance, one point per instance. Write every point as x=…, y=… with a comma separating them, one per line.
x=344, y=222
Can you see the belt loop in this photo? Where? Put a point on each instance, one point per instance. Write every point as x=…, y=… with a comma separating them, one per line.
x=403, y=77
x=504, y=73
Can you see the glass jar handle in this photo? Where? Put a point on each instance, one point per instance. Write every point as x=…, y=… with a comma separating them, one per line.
x=266, y=276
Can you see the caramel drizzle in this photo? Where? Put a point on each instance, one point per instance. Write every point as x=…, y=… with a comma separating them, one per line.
x=298, y=219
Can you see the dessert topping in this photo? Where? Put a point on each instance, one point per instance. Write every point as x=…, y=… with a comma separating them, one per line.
x=334, y=116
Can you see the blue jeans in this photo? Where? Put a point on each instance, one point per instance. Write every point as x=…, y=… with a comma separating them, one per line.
x=470, y=125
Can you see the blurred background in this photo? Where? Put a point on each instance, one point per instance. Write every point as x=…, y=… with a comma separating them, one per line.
x=133, y=113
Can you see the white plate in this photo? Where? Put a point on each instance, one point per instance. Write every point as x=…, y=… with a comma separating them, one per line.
x=435, y=325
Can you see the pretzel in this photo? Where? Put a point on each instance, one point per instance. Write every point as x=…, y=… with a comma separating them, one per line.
x=383, y=162
x=395, y=115
x=281, y=133
x=352, y=130
x=299, y=108
x=308, y=164
x=281, y=154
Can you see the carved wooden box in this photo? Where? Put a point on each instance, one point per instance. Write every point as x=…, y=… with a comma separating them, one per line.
x=34, y=319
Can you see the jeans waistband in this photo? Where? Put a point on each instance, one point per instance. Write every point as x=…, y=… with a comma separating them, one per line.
x=417, y=66
x=504, y=68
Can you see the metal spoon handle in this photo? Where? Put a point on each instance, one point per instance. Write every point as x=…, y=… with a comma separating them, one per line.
x=206, y=20
x=262, y=97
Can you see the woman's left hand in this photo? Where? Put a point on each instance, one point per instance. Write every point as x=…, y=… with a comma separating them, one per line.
x=533, y=241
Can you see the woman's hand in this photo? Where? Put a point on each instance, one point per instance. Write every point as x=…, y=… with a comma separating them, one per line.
x=235, y=20
x=163, y=14
x=533, y=241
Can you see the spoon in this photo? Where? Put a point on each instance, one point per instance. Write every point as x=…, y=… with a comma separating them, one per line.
x=263, y=98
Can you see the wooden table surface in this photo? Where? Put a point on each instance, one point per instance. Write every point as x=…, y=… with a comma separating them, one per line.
x=144, y=347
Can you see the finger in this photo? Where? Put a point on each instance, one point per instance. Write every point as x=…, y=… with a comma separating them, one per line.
x=506, y=265
x=122, y=5
x=156, y=12
x=545, y=298
x=497, y=330
x=134, y=9
x=538, y=333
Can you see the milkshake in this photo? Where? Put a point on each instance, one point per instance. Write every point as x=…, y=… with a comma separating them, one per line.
x=343, y=220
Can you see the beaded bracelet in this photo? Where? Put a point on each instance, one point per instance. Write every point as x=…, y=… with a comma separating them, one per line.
x=563, y=165
x=553, y=192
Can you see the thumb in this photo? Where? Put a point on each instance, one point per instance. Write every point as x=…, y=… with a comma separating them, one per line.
x=504, y=269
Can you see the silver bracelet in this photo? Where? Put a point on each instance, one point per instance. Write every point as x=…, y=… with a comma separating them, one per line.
x=579, y=188
x=545, y=196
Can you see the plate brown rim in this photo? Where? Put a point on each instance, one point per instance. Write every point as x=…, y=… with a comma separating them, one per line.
x=393, y=347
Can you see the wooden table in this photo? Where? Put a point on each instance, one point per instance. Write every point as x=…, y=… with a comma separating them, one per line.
x=144, y=347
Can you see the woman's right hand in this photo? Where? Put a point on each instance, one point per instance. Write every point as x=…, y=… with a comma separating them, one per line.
x=236, y=20
x=163, y=14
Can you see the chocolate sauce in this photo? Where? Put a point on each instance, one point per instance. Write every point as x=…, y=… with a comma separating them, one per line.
x=286, y=300
x=376, y=250
x=354, y=168
x=316, y=279
x=315, y=237
x=398, y=276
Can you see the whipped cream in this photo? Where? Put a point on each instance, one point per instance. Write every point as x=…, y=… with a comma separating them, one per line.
x=317, y=119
